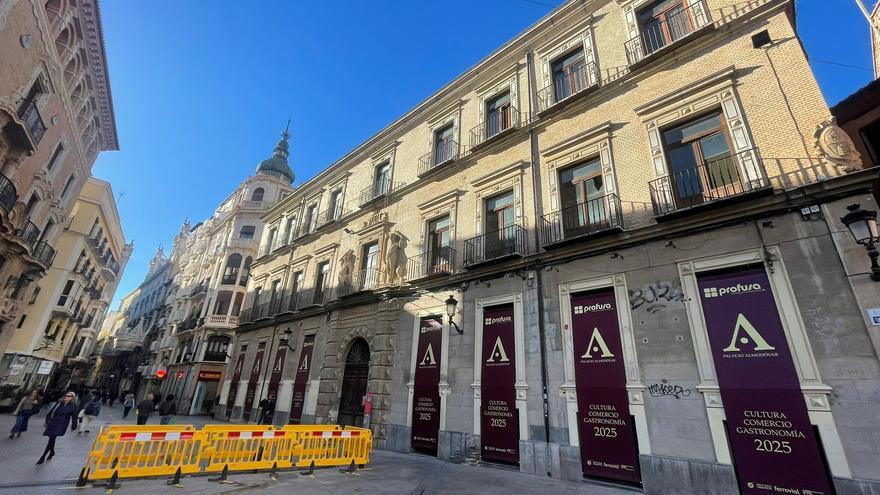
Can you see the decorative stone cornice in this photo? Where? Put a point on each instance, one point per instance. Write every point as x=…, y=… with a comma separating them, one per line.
x=93, y=35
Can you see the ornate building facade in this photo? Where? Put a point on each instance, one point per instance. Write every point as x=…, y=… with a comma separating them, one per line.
x=56, y=115
x=610, y=251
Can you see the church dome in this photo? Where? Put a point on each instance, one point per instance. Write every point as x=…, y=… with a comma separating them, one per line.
x=277, y=164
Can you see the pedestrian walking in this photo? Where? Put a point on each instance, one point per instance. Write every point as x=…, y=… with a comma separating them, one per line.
x=28, y=406
x=89, y=413
x=112, y=398
x=127, y=405
x=144, y=409
x=267, y=411
x=167, y=409
x=59, y=416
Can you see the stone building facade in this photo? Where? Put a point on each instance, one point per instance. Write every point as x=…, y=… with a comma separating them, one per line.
x=56, y=115
x=589, y=201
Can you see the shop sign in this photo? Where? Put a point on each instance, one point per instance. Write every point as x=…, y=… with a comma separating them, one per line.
x=210, y=375
x=45, y=367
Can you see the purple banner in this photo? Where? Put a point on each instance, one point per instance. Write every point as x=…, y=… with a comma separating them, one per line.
x=253, y=382
x=426, y=384
x=301, y=379
x=499, y=418
x=233, y=385
x=605, y=429
x=774, y=447
x=277, y=369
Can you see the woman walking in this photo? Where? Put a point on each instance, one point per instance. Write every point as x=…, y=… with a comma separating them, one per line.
x=29, y=405
x=88, y=413
x=166, y=410
x=61, y=414
x=127, y=405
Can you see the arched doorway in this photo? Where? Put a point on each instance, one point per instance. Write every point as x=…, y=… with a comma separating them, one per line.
x=354, y=384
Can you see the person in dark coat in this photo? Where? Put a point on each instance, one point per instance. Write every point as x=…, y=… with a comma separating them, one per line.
x=267, y=411
x=29, y=405
x=144, y=409
x=59, y=416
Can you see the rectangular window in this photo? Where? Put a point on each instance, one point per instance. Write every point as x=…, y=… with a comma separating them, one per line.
x=499, y=117
x=335, y=207
x=662, y=23
x=275, y=294
x=65, y=294
x=444, y=145
x=568, y=74
x=289, y=229
x=21, y=321
x=270, y=242
x=321, y=279
x=370, y=265
x=67, y=186
x=382, y=182
x=309, y=222
x=247, y=232
x=439, y=242
x=55, y=156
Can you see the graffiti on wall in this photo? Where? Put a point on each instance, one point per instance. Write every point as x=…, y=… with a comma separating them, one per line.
x=665, y=389
x=656, y=296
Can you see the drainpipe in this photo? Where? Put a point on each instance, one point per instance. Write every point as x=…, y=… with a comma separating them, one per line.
x=536, y=198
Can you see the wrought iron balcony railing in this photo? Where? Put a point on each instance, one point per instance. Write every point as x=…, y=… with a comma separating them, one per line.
x=583, y=219
x=435, y=262
x=8, y=194
x=30, y=114
x=496, y=124
x=28, y=232
x=45, y=252
x=359, y=281
x=443, y=153
x=509, y=241
x=330, y=215
x=377, y=190
x=576, y=79
x=661, y=32
x=717, y=179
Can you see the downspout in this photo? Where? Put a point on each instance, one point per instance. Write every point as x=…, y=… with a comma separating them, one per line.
x=536, y=198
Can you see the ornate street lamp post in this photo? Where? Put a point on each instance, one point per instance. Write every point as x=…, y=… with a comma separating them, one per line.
x=451, y=306
x=862, y=224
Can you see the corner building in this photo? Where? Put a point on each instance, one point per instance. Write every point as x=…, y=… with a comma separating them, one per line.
x=632, y=209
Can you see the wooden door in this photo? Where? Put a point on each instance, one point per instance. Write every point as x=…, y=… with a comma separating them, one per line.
x=354, y=385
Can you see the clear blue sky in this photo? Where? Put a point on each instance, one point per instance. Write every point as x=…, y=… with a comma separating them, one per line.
x=202, y=89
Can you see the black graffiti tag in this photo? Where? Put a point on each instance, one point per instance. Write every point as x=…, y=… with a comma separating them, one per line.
x=665, y=389
x=655, y=296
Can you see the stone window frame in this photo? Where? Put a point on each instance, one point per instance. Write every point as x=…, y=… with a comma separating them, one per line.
x=589, y=144
x=298, y=265
x=449, y=115
x=381, y=156
x=816, y=393
x=715, y=92
x=521, y=384
x=581, y=35
x=444, y=387
x=445, y=204
x=635, y=389
x=340, y=184
x=634, y=30
x=509, y=178
x=507, y=82
x=313, y=200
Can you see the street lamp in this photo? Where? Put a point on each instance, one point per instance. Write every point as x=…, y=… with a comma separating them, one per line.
x=862, y=224
x=451, y=306
x=285, y=339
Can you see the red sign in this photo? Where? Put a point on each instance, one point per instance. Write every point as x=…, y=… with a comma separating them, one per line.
x=180, y=374
x=605, y=429
x=773, y=444
x=499, y=418
x=161, y=372
x=426, y=385
x=253, y=382
x=236, y=377
x=302, y=377
x=210, y=375
x=277, y=369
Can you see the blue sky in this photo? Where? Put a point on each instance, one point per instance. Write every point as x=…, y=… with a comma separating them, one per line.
x=202, y=89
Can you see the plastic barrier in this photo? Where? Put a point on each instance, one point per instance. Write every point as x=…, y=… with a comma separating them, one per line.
x=144, y=451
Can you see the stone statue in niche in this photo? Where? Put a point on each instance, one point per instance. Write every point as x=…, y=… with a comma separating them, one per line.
x=346, y=263
x=395, y=259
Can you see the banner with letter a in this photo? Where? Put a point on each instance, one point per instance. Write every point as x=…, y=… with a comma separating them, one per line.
x=233, y=384
x=251, y=391
x=426, y=386
x=301, y=379
x=774, y=447
x=608, y=443
x=499, y=418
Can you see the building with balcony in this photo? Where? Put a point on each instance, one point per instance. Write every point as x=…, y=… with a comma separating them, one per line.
x=58, y=329
x=549, y=276
x=56, y=115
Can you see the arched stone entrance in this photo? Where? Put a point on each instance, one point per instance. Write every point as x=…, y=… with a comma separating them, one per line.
x=354, y=384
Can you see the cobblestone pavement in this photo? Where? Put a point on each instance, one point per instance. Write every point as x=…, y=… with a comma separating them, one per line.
x=388, y=473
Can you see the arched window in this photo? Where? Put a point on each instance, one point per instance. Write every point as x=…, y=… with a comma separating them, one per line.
x=257, y=194
x=230, y=274
x=245, y=272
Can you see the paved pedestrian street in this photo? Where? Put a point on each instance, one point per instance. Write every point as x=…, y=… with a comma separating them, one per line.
x=388, y=472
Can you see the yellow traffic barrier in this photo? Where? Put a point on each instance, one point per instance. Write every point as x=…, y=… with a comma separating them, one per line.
x=121, y=451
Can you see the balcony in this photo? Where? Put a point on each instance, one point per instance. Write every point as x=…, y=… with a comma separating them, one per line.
x=8, y=194
x=29, y=113
x=444, y=152
x=44, y=252
x=659, y=35
x=28, y=232
x=716, y=180
x=497, y=124
x=330, y=215
x=434, y=263
x=494, y=246
x=359, y=281
x=575, y=80
x=592, y=217
x=378, y=190
x=221, y=321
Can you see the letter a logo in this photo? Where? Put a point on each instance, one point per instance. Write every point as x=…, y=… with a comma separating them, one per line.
x=429, y=357
x=304, y=365
x=753, y=336
x=597, y=343
x=498, y=352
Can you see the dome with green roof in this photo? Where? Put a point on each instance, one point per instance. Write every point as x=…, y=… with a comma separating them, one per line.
x=277, y=164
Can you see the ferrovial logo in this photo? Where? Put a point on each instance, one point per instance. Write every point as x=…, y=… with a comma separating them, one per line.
x=429, y=357
x=746, y=333
x=579, y=310
x=597, y=344
x=709, y=292
x=500, y=319
x=498, y=353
